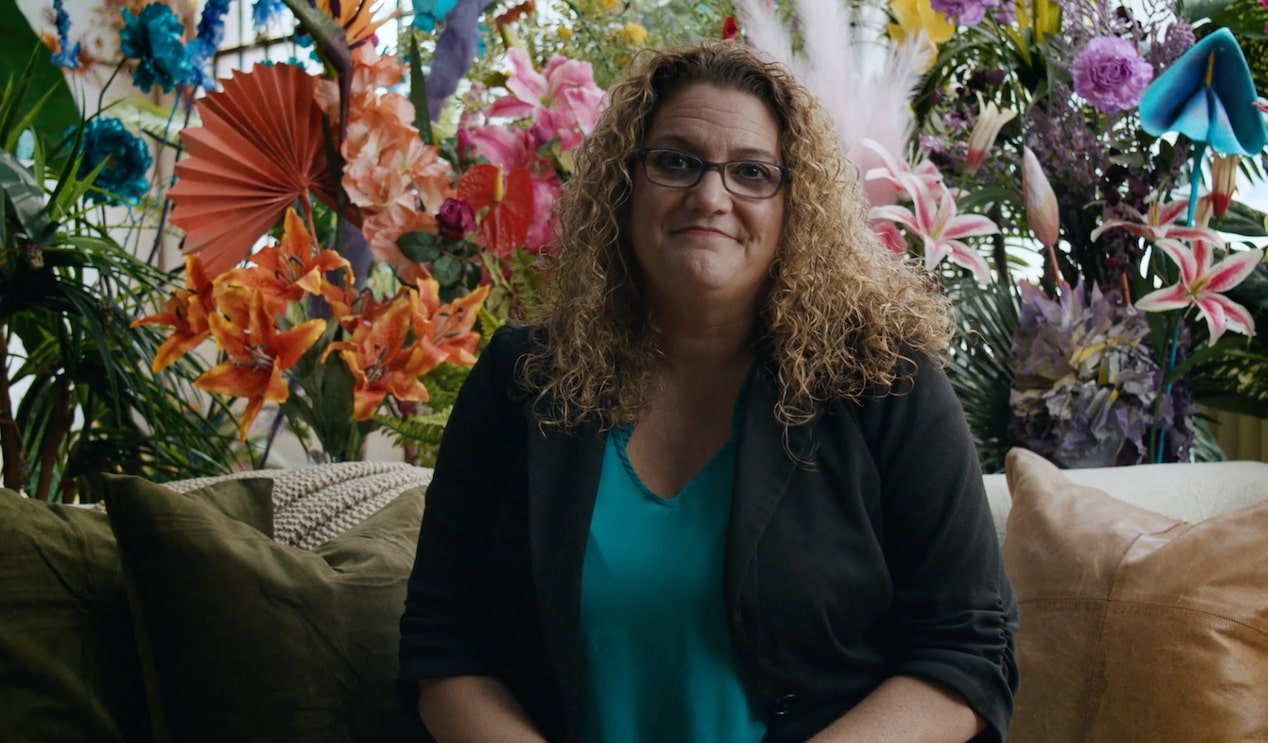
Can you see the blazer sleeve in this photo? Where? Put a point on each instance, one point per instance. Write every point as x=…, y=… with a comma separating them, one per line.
x=444, y=628
x=951, y=594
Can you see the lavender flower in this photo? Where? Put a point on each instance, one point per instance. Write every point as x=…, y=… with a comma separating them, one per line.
x=66, y=56
x=123, y=158
x=964, y=12
x=154, y=40
x=1110, y=74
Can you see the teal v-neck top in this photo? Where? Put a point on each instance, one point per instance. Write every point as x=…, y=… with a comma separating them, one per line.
x=657, y=663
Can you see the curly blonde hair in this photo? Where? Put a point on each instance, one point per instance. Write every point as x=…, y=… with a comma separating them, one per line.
x=840, y=312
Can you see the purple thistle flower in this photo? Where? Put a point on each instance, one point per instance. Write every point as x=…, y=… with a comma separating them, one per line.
x=153, y=38
x=964, y=12
x=67, y=56
x=1110, y=74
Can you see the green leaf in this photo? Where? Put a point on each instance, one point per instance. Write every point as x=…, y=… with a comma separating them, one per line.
x=419, y=247
x=18, y=45
x=418, y=92
x=1241, y=219
x=27, y=199
x=447, y=270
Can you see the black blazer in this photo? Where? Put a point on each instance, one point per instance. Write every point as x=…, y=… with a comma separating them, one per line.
x=868, y=553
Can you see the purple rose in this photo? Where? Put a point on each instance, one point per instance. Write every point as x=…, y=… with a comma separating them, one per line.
x=964, y=12
x=1110, y=74
x=455, y=219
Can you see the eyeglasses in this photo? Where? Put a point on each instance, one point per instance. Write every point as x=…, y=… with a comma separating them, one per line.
x=748, y=179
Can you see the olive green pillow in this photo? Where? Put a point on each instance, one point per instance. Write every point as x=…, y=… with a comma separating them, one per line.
x=69, y=668
x=246, y=639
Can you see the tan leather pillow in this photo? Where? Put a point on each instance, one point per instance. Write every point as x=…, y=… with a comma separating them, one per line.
x=1134, y=626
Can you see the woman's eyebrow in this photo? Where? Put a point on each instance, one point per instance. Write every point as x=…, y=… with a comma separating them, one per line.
x=691, y=147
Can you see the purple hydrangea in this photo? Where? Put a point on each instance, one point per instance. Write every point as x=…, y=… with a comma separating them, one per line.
x=1085, y=381
x=1110, y=74
x=964, y=12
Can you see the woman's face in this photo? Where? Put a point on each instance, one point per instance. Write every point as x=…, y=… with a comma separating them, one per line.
x=704, y=241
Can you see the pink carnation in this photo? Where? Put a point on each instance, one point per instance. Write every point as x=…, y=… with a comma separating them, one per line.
x=1110, y=74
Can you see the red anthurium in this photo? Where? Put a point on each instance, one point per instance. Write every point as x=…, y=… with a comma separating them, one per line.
x=258, y=352
x=187, y=311
x=384, y=360
x=285, y=272
x=509, y=205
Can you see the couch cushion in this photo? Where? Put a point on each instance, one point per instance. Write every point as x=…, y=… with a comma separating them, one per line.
x=69, y=669
x=243, y=639
x=1190, y=491
x=1135, y=626
x=314, y=504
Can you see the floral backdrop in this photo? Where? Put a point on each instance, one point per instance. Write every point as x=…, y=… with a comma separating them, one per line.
x=357, y=218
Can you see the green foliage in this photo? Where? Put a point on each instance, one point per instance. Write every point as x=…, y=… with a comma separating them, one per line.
x=86, y=401
x=979, y=367
x=419, y=432
x=47, y=95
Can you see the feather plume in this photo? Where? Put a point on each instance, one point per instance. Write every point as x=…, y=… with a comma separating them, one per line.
x=862, y=77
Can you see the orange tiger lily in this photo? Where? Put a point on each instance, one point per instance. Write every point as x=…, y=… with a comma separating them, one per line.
x=384, y=361
x=447, y=328
x=187, y=311
x=285, y=272
x=258, y=353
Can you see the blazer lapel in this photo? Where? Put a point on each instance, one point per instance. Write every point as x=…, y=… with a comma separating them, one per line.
x=762, y=471
x=563, y=475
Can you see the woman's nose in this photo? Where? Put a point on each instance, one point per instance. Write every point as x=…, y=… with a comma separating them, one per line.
x=710, y=192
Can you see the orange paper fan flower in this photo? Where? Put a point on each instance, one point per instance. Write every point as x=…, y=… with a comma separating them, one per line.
x=260, y=147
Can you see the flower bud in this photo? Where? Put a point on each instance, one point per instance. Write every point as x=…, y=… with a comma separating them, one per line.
x=1041, y=203
x=1223, y=182
x=990, y=119
x=455, y=219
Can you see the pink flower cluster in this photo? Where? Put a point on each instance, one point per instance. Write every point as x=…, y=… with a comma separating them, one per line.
x=397, y=181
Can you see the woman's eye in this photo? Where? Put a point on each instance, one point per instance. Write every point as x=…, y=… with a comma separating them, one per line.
x=757, y=172
x=674, y=161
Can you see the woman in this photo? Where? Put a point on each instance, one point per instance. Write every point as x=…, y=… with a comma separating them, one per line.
x=721, y=490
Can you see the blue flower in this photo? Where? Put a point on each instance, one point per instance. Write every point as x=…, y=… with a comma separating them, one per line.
x=211, y=31
x=428, y=12
x=123, y=158
x=1207, y=95
x=67, y=56
x=154, y=40
x=264, y=12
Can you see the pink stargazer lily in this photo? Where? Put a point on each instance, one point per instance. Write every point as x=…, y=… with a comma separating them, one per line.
x=562, y=99
x=936, y=222
x=1159, y=223
x=899, y=174
x=1201, y=281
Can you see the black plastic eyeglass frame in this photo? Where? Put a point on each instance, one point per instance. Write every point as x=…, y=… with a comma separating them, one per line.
x=641, y=155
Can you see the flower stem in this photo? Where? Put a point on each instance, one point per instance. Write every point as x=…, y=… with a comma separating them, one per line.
x=1172, y=349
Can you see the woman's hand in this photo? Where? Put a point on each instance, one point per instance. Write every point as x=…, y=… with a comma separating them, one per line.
x=473, y=709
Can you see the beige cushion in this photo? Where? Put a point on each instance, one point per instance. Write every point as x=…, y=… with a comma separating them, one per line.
x=312, y=505
x=1189, y=492
x=1135, y=626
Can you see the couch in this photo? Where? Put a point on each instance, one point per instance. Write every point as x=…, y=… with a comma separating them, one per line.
x=262, y=606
